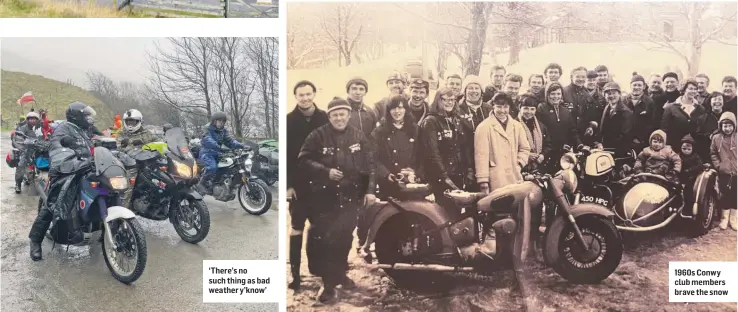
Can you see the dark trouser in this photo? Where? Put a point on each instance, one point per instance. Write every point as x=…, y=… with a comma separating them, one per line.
x=329, y=242
x=728, y=199
x=41, y=225
x=20, y=170
x=298, y=216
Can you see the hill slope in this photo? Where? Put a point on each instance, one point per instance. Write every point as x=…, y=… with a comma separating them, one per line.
x=50, y=94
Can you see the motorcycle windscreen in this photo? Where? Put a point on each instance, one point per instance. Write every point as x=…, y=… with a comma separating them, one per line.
x=107, y=165
x=177, y=143
x=642, y=199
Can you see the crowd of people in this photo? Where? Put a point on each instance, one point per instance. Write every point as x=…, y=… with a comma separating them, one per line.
x=480, y=138
x=72, y=140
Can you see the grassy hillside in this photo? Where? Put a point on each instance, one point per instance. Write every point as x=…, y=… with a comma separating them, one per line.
x=622, y=59
x=50, y=94
x=52, y=8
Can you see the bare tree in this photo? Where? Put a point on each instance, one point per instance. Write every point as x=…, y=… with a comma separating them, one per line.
x=300, y=43
x=701, y=28
x=235, y=76
x=181, y=76
x=343, y=27
x=263, y=54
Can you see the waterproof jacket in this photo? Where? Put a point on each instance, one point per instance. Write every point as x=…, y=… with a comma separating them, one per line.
x=298, y=128
x=70, y=152
x=348, y=151
x=142, y=134
x=395, y=149
x=442, y=136
x=213, y=138
x=581, y=102
x=363, y=118
x=723, y=151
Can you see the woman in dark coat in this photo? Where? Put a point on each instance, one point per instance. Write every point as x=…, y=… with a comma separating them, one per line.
x=559, y=122
x=445, y=164
x=395, y=142
x=685, y=116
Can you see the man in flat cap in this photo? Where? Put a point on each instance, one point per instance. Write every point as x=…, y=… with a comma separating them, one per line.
x=339, y=160
x=418, y=103
x=396, y=83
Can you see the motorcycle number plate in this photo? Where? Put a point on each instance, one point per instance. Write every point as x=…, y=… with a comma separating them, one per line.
x=594, y=200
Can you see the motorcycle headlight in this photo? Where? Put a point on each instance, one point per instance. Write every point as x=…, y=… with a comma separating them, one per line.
x=568, y=161
x=119, y=183
x=182, y=170
x=248, y=163
x=570, y=180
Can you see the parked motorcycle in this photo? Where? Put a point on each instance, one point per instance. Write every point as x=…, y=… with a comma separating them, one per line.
x=266, y=165
x=494, y=232
x=35, y=152
x=164, y=187
x=234, y=175
x=100, y=183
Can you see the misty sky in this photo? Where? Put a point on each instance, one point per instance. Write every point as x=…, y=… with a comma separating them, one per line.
x=70, y=58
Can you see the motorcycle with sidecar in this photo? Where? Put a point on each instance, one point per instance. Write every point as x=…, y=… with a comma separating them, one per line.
x=492, y=232
x=645, y=201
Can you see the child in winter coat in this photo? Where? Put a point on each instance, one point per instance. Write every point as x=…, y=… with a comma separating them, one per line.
x=723, y=153
x=659, y=158
x=691, y=166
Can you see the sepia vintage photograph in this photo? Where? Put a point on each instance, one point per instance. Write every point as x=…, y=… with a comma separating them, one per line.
x=130, y=161
x=507, y=156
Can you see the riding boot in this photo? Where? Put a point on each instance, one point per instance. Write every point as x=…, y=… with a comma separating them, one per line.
x=204, y=186
x=734, y=219
x=295, y=258
x=18, y=187
x=38, y=231
x=725, y=220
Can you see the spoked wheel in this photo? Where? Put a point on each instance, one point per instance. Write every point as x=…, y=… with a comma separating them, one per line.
x=191, y=220
x=563, y=252
x=258, y=201
x=128, y=260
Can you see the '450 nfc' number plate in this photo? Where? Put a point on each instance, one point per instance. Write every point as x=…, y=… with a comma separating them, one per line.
x=594, y=200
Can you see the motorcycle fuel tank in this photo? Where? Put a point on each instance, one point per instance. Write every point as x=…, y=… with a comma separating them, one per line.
x=641, y=200
x=599, y=163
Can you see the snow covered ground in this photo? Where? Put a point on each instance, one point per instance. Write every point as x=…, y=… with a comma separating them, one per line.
x=718, y=60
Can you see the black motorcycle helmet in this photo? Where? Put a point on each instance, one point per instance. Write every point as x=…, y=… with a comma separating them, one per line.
x=81, y=115
x=219, y=116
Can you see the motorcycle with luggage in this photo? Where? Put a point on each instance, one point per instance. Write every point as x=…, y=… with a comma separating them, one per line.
x=35, y=151
x=99, y=183
x=492, y=232
x=165, y=186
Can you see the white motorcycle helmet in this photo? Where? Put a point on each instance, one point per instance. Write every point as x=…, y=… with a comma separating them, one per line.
x=132, y=120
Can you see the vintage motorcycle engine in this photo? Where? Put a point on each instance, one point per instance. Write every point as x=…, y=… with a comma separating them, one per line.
x=641, y=200
x=222, y=190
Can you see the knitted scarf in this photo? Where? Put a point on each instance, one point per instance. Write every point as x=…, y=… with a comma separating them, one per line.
x=536, y=138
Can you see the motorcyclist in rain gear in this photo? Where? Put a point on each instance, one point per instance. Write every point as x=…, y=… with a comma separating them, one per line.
x=28, y=130
x=215, y=136
x=71, y=150
x=133, y=136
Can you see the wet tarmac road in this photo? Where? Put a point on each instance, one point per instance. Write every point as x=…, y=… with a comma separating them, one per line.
x=79, y=280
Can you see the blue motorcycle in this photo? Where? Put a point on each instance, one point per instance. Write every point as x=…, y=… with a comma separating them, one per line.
x=96, y=205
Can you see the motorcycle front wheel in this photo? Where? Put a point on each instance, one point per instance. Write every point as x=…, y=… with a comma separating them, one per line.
x=190, y=215
x=131, y=243
x=258, y=201
x=563, y=252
